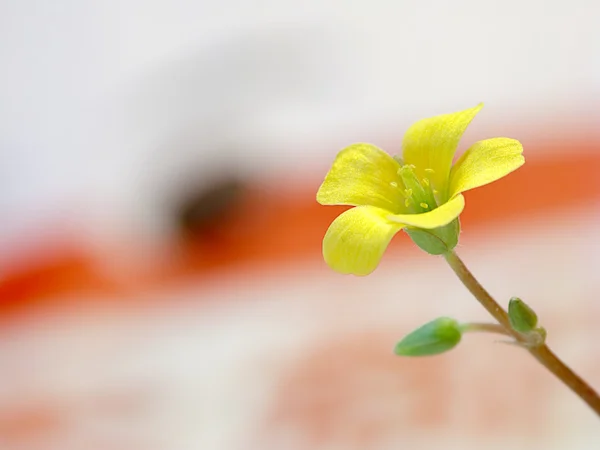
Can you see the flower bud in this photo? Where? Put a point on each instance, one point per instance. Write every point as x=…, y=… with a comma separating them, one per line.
x=437, y=336
x=522, y=318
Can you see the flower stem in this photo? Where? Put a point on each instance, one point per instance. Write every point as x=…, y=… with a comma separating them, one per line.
x=541, y=352
x=483, y=327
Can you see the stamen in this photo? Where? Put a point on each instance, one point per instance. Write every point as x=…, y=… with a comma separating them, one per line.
x=428, y=170
x=393, y=184
x=418, y=192
x=411, y=183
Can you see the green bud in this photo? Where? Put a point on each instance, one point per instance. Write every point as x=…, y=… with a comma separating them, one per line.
x=437, y=336
x=437, y=241
x=522, y=318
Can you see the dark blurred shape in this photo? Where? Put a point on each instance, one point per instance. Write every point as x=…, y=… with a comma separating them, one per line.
x=202, y=209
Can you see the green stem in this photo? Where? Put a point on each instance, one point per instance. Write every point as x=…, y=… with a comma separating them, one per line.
x=483, y=327
x=541, y=352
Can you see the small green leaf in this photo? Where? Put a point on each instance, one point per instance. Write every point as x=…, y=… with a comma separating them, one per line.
x=437, y=336
x=522, y=318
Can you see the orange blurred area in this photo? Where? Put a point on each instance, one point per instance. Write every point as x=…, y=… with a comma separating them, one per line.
x=268, y=229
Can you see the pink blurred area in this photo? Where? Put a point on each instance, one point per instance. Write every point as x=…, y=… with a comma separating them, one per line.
x=161, y=283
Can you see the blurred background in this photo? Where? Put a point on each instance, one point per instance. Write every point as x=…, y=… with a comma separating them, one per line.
x=161, y=278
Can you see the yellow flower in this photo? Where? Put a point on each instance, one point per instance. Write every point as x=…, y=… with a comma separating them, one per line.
x=422, y=191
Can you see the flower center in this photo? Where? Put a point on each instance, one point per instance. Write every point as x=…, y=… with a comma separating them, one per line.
x=419, y=194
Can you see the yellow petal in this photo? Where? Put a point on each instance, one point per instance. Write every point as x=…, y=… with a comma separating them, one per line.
x=433, y=219
x=357, y=239
x=431, y=144
x=362, y=174
x=484, y=162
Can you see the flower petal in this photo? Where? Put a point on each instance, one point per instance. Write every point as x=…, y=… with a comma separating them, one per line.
x=433, y=219
x=484, y=162
x=362, y=174
x=357, y=239
x=431, y=144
